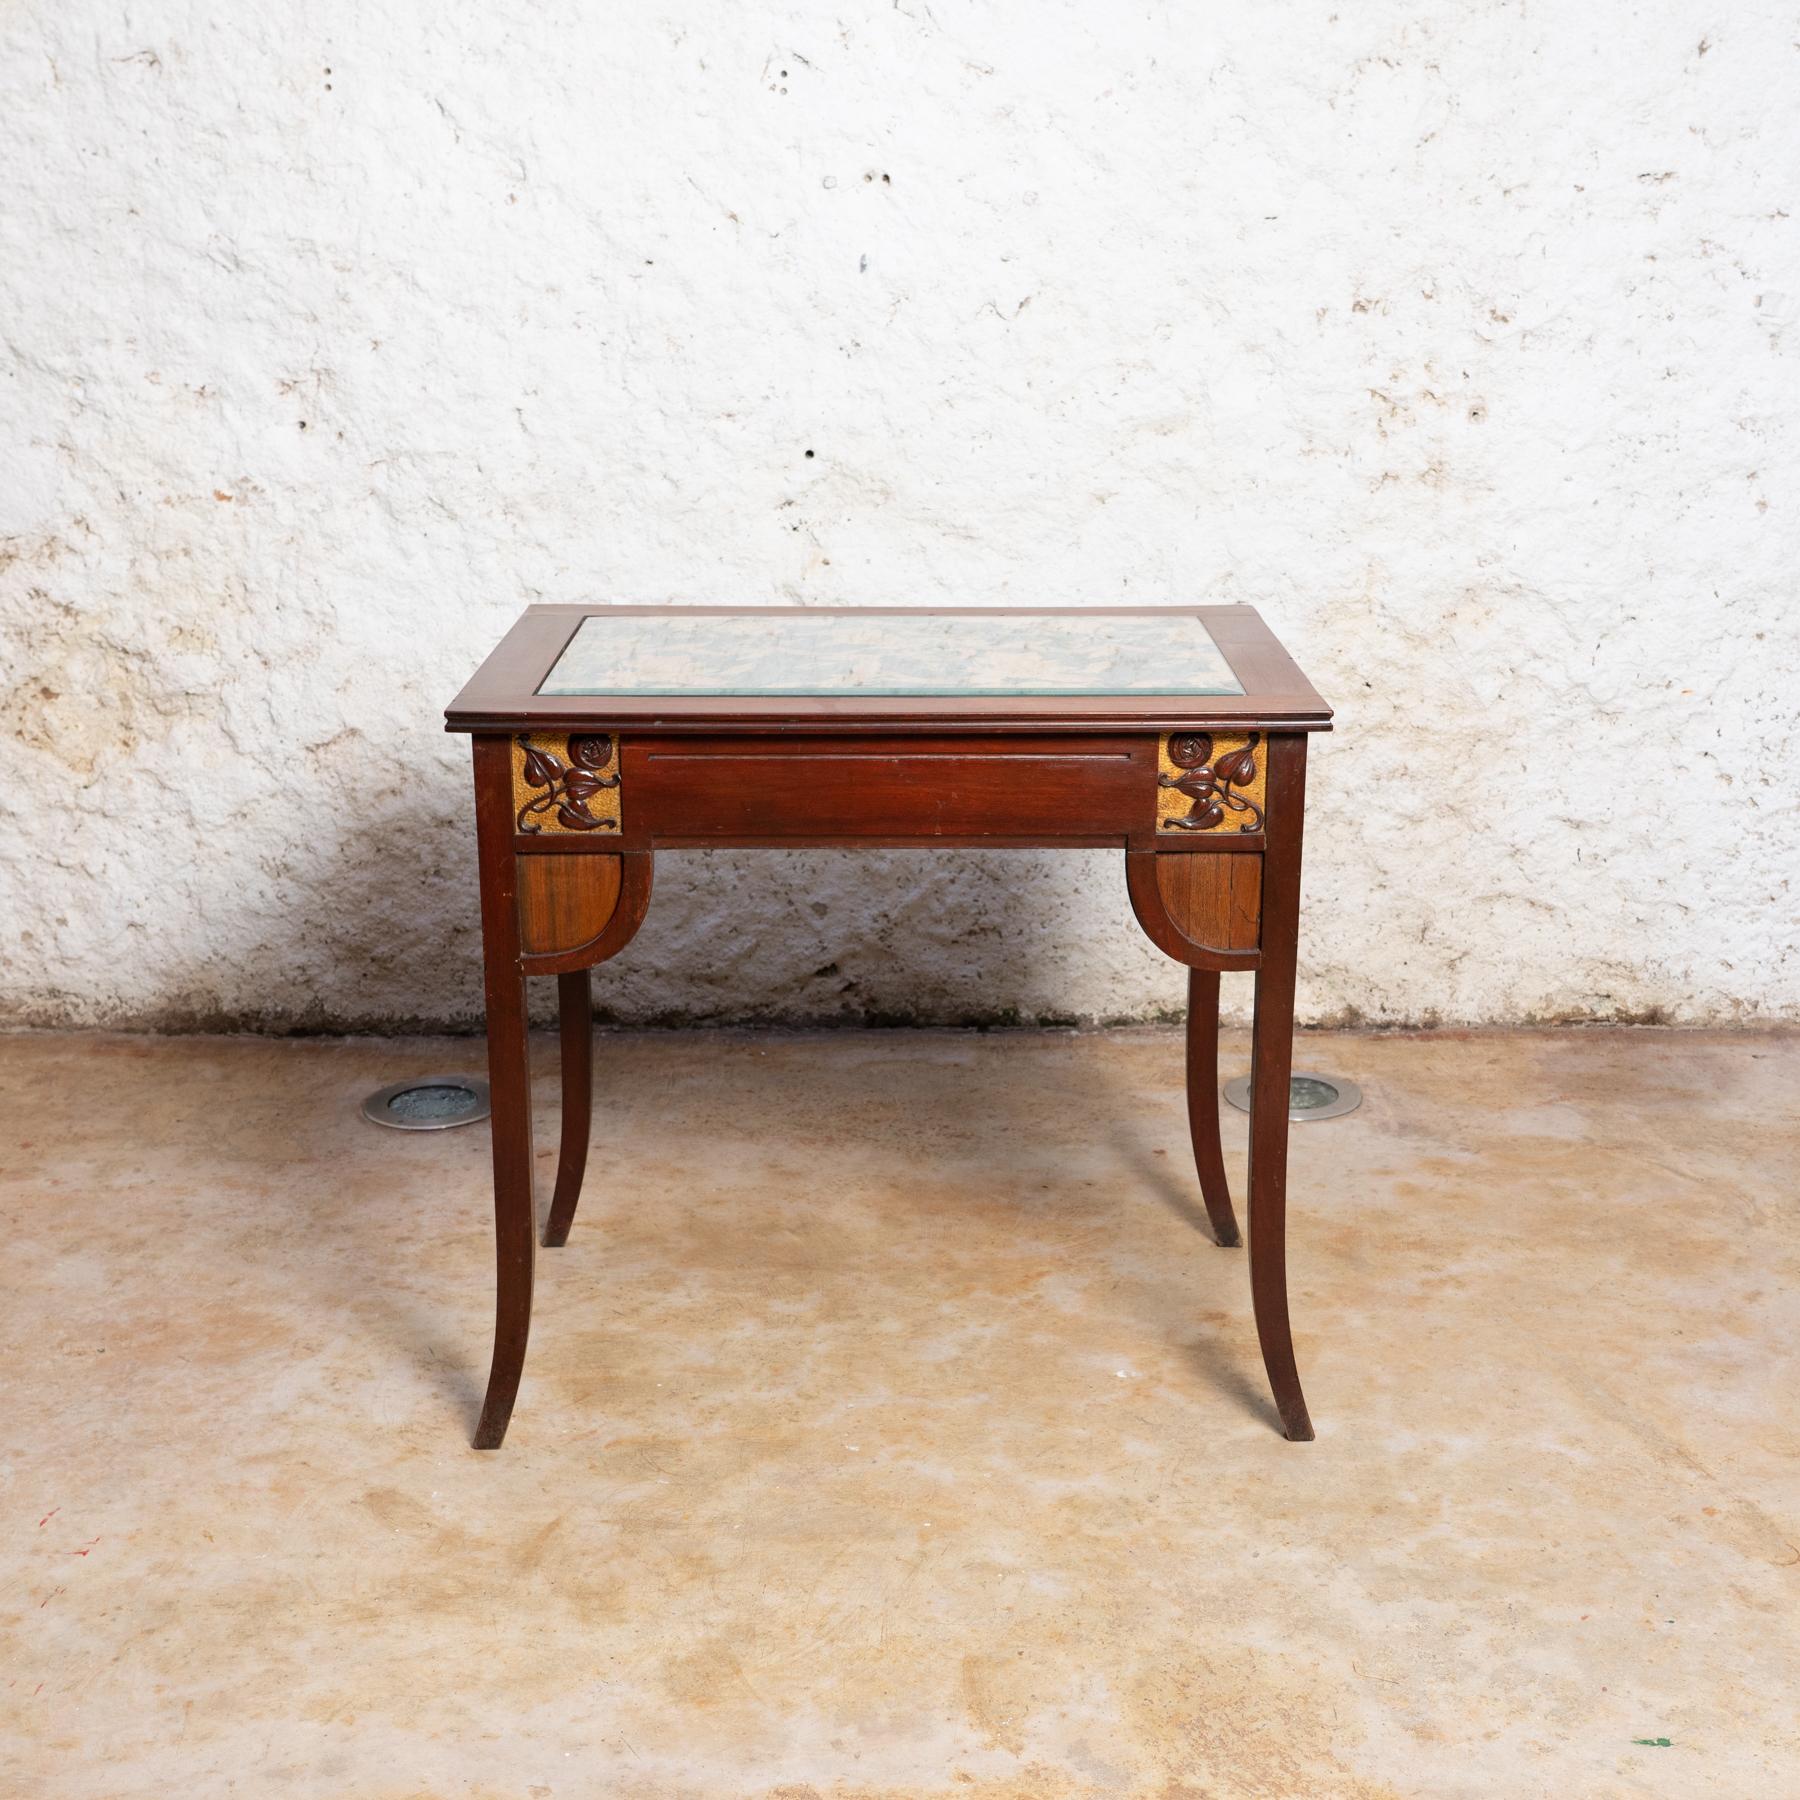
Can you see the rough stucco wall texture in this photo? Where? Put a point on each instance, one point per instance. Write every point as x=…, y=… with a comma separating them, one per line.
x=1460, y=338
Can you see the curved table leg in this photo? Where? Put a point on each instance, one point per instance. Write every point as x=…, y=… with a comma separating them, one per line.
x=509, y=1083
x=575, y=1025
x=515, y=1235
x=562, y=914
x=1203, y=1102
x=1271, y=1064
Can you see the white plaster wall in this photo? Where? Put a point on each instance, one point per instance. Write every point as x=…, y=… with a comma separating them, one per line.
x=1459, y=337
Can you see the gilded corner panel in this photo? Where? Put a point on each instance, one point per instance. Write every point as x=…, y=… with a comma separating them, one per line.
x=1209, y=782
x=565, y=782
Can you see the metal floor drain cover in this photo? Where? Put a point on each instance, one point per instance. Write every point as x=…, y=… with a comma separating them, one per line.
x=428, y=1103
x=1309, y=1096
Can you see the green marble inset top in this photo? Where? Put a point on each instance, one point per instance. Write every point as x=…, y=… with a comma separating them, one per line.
x=833, y=651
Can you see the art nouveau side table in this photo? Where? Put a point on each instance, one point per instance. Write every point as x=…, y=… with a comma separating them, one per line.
x=604, y=734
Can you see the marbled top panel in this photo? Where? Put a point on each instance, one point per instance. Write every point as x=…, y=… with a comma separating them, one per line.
x=833, y=651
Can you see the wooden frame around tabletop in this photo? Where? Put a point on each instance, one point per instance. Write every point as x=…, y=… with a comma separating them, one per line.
x=1216, y=888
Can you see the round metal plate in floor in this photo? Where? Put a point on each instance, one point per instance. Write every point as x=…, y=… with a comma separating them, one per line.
x=1309, y=1096
x=428, y=1103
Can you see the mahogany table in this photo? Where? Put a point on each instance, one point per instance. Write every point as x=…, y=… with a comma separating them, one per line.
x=603, y=734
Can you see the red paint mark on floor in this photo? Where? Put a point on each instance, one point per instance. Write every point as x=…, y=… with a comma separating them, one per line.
x=85, y=1547
x=51, y=1514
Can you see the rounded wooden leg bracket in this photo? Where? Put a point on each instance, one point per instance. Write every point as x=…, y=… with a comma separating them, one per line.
x=576, y=910
x=1202, y=908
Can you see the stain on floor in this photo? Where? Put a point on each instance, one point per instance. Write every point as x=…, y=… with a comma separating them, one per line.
x=892, y=1427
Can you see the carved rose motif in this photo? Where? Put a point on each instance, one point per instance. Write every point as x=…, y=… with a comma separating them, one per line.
x=567, y=791
x=1211, y=786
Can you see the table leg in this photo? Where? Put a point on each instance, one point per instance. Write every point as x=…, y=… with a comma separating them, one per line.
x=1271, y=1063
x=509, y=1083
x=575, y=1022
x=1203, y=1102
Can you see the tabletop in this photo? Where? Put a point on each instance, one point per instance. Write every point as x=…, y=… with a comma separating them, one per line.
x=895, y=668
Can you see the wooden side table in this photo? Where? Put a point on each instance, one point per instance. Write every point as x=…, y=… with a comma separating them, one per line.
x=603, y=734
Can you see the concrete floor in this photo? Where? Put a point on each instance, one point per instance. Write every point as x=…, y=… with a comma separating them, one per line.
x=892, y=1428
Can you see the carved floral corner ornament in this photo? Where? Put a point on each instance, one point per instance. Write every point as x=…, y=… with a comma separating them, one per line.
x=1207, y=783
x=566, y=783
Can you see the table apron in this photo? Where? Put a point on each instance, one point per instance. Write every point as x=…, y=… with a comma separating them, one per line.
x=1075, y=791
